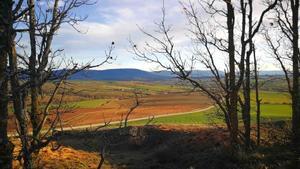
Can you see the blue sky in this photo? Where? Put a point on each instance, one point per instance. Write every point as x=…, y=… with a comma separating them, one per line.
x=117, y=20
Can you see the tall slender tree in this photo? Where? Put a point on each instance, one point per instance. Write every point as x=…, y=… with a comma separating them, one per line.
x=296, y=73
x=10, y=12
x=6, y=147
x=41, y=23
x=284, y=45
x=210, y=36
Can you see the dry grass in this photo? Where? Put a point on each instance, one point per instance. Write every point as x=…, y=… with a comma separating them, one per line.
x=65, y=158
x=163, y=147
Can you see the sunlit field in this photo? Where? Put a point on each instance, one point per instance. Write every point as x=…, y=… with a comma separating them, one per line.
x=275, y=105
x=94, y=101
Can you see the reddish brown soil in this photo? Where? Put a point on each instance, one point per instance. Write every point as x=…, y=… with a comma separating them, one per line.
x=150, y=105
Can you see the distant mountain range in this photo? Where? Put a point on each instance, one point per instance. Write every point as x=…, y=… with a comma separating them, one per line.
x=117, y=75
x=136, y=75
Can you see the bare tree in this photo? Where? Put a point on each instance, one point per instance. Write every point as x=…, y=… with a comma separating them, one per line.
x=257, y=97
x=284, y=46
x=6, y=147
x=136, y=104
x=207, y=39
x=10, y=11
x=41, y=23
x=296, y=74
x=132, y=108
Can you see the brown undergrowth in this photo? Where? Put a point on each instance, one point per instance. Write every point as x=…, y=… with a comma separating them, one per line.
x=161, y=147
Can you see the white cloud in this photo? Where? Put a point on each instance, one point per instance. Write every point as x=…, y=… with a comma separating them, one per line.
x=117, y=21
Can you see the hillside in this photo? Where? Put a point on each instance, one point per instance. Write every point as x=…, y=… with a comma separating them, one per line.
x=141, y=75
x=117, y=75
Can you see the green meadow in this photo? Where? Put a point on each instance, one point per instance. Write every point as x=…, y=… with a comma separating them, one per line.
x=275, y=106
x=88, y=103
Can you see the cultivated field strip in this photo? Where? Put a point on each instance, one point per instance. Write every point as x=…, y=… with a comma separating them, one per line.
x=83, y=127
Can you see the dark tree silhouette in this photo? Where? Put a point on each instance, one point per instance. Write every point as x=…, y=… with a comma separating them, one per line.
x=41, y=23
x=225, y=91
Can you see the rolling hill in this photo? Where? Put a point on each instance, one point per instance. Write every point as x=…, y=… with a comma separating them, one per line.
x=117, y=75
x=141, y=75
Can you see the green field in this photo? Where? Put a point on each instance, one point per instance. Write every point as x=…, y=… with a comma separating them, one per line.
x=206, y=117
x=274, y=108
x=273, y=97
x=91, y=90
x=276, y=112
x=88, y=103
x=93, y=94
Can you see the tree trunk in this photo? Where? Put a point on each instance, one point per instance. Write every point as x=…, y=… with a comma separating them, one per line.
x=257, y=99
x=17, y=93
x=247, y=104
x=296, y=90
x=247, y=87
x=6, y=147
x=18, y=104
x=34, y=87
x=233, y=95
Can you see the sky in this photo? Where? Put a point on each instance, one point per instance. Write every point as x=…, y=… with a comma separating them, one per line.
x=119, y=21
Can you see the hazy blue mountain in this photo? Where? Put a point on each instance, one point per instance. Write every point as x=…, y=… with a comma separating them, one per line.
x=271, y=73
x=117, y=75
x=136, y=74
x=195, y=73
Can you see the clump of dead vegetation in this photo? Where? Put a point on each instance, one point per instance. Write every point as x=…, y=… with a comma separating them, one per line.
x=167, y=147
